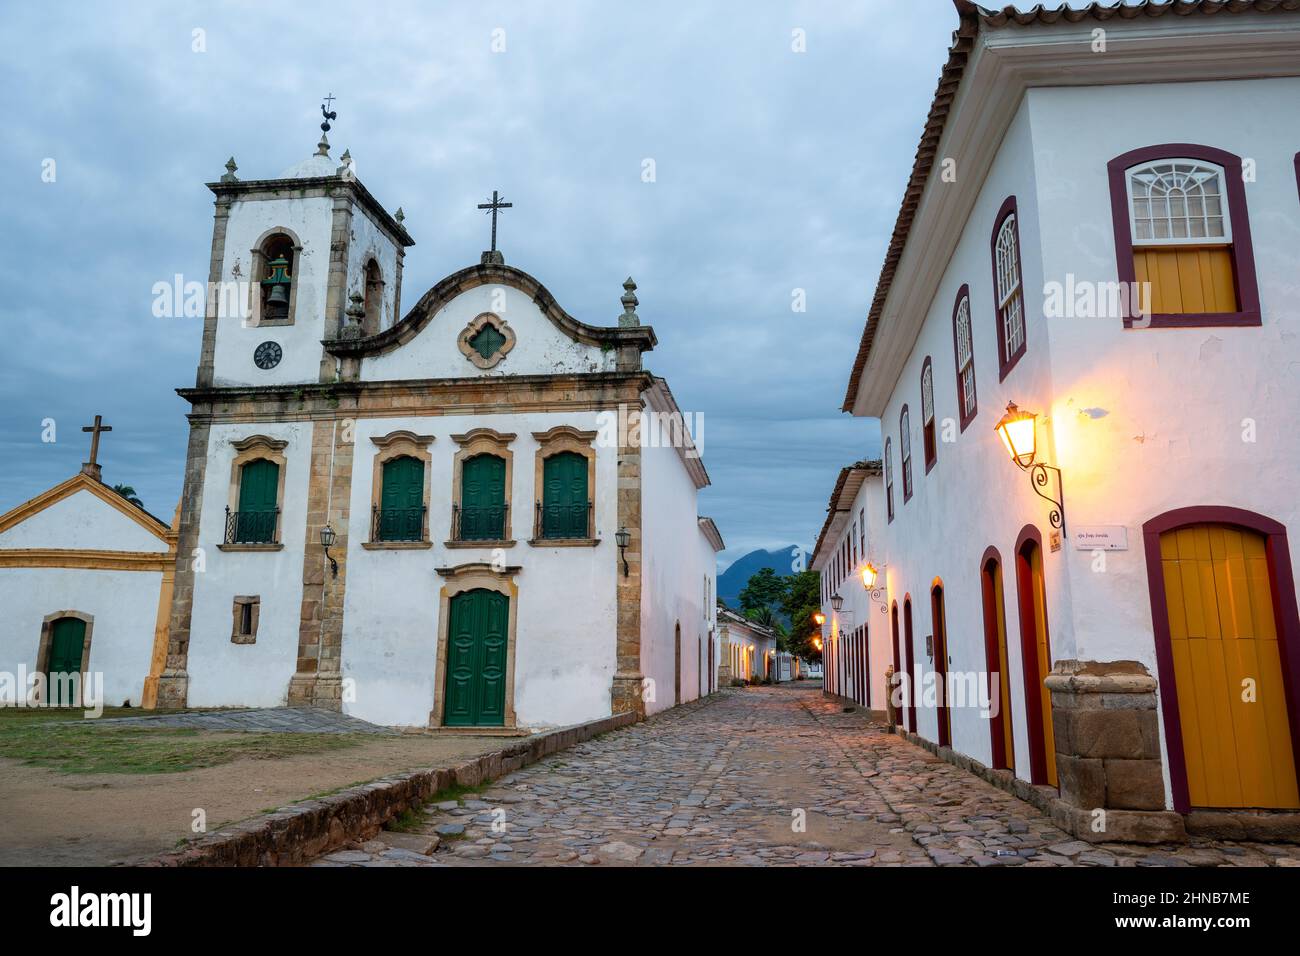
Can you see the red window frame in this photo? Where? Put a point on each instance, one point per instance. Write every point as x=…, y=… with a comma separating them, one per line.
x=1007, y=362
x=966, y=416
x=889, y=481
x=929, y=435
x=905, y=451
x=1243, y=253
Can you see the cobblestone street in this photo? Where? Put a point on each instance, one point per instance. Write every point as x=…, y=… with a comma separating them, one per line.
x=726, y=780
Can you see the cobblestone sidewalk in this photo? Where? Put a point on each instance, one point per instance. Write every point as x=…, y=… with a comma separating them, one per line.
x=764, y=776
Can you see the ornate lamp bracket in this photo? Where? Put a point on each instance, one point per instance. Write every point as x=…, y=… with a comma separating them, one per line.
x=1039, y=479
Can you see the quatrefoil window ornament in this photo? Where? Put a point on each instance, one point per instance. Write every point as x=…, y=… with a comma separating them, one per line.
x=486, y=340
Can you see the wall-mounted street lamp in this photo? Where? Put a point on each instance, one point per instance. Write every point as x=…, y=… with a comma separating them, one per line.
x=327, y=537
x=623, y=537
x=870, y=575
x=1019, y=433
x=837, y=603
x=819, y=618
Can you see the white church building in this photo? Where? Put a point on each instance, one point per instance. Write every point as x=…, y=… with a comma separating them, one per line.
x=1082, y=354
x=479, y=514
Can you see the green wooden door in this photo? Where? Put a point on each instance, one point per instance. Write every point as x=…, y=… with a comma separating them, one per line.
x=483, y=498
x=67, y=643
x=564, y=496
x=476, y=660
x=259, y=484
x=401, y=503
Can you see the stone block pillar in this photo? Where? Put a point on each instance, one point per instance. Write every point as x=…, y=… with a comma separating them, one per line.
x=1108, y=753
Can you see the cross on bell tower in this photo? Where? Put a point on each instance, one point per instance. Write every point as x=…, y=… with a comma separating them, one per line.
x=91, y=467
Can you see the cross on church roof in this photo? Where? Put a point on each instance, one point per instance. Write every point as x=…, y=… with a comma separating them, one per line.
x=493, y=206
x=92, y=467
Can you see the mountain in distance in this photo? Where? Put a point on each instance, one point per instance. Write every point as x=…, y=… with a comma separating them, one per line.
x=733, y=580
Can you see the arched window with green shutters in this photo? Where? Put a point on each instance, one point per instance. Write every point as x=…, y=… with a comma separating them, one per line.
x=565, y=503
x=401, y=501
x=259, y=491
x=483, y=498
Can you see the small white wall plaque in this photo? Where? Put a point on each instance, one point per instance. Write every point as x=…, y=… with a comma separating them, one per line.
x=1099, y=537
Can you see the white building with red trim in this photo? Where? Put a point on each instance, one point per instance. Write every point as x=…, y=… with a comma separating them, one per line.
x=1102, y=227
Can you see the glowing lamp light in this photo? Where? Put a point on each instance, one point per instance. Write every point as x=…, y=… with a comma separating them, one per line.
x=819, y=618
x=1018, y=433
x=817, y=643
x=869, y=575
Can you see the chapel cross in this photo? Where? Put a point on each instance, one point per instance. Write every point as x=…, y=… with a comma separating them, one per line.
x=92, y=467
x=494, y=205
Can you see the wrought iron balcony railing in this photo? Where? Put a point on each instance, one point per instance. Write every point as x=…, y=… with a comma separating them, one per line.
x=252, y=527
x=480, y=523
x=563, y=521
x=397, y=524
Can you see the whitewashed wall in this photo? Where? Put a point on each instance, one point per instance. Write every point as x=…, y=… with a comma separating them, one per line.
x=249, y=675
x=310, y=220
x=540, y=347
x=81, y=521
x=368, y=241
x=672, y=577
x=565, y=642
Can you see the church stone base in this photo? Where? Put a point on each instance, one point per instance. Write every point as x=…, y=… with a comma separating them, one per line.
x=324, y=691
x=1108, y=753
x=170, y=691
x=626, y=695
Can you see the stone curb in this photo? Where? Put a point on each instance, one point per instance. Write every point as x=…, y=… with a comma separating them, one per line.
x=1122, y=826
x=302, y=831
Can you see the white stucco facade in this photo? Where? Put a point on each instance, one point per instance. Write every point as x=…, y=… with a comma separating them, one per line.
x=1141, y=422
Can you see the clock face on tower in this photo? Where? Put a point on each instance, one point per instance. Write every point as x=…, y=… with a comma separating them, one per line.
x=267, y=355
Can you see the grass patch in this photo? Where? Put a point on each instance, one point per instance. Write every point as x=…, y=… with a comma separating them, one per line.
x=57, y=740
x=408, y=821
x=458, y=792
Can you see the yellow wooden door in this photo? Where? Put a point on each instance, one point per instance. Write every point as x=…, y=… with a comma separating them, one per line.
x=1228, y=672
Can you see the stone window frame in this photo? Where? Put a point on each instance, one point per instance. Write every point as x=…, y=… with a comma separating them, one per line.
x=257, y=265
x=43, y=650
x=237, y=635
x=400, y=444
x=476, y=325
x=552, y=442
x=247, y=450
x=479, y=441
x=469, y=577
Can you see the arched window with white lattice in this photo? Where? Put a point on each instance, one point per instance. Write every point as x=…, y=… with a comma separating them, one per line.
x=963, y=345
x=1182, y=238
x=927, y=414
x=1008, y=291
x=905, y=451
x=889, y=480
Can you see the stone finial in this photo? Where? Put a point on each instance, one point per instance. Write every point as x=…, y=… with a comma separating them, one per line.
x=492, y=257
x=323, y=147
x=399, y=215
x=629, y=317
x=345, y=165
x=229, y=176
x=354, y=314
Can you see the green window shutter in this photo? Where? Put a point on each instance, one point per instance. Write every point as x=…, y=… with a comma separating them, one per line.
x=401, y=501
x=483, y=498
x=259, y=485
x=564, y=496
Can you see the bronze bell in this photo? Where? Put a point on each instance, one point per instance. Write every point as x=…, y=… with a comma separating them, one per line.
x=277, y=287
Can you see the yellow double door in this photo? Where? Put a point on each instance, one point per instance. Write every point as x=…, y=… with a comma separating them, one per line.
x=1228, y=669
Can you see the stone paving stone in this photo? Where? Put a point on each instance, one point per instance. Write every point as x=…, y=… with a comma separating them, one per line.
x=764, y=777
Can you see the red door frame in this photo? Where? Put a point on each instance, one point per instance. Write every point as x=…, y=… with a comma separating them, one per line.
x=1030, y=538
x=939, y=628
x=866, y=665
x=898, y=664
x=993, y=628
x=1277, y=552
x=911, y=664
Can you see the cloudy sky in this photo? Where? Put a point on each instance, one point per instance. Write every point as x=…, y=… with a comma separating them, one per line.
x=776, y=171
